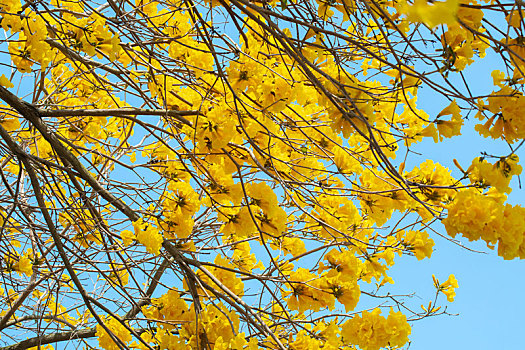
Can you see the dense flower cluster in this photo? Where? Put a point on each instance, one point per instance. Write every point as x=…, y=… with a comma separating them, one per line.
x=371, y=331
x=119, y=333
x=478, y=216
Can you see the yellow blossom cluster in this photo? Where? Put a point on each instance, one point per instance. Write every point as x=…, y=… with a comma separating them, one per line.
x=336, y=280
x=462, y=39
x=379, y=208
x=505, y=105
x=83, y=223
x=180, y=328
x=417, y=242
x=371, y=331
x=223, y=271
x=485, y=216
x=21, y=264
x=497, y=175
x=170, y=308
x=179, y=204
x=432, y=14
x=435, y=184
x=148, y=235
x=119, y=334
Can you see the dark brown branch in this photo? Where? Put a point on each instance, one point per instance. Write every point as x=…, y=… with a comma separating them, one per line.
x=117, y=112
x=52, y=338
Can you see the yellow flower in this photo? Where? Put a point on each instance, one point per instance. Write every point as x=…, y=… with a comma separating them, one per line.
x=437, y=178
x=292, y=245
x=244, y=259
x=449, y=128
x=434, y=13
x=371, y=331
x=347, y=293
x=497, y=175
x=308, y=292
x=346, y=161
x=418, y=242
x=127, y=237
x=430, y=131
x=475, y=215
x=448, y=287
x=104, y=339
x=237, y=223
x=181, y=198
x=9, y=123
x=119, y=275
x=514, y=18
x=5, y=82
x=242, y=74
x=149, y=236
x=263, y=196
x=24, y=266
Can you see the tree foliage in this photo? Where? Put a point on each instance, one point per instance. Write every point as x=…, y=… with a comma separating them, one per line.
x=232, y=174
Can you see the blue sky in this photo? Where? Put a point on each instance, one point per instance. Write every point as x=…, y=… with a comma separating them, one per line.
x=489, y=299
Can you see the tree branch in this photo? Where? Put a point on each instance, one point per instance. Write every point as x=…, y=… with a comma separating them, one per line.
x=52, y=338
x=117, y=112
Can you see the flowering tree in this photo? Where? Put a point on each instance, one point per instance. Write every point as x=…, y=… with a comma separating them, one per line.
x=222, y=174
